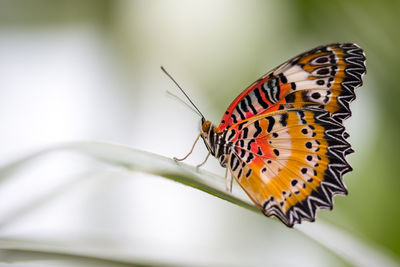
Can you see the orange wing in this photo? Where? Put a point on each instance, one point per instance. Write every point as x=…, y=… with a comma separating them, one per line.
x=290, y=162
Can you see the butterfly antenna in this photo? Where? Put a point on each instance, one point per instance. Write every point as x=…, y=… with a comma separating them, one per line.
x=183, y=102
x=162, y=68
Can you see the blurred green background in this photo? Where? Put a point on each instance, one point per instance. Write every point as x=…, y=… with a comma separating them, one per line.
x=89, y=70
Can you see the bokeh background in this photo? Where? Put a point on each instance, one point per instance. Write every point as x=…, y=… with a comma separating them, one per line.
x=90, y=70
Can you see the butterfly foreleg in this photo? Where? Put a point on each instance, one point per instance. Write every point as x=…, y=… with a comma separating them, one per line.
x=191, y=150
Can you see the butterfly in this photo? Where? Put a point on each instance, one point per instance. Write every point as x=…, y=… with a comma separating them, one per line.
x=283, y=138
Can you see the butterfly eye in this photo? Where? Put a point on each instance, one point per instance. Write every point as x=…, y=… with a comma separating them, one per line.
x=205, y=126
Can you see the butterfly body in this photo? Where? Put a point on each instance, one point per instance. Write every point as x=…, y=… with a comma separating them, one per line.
x=216, y=141
x=283, y=138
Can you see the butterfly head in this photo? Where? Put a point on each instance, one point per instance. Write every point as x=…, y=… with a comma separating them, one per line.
x=209, y=135
x=205, y=125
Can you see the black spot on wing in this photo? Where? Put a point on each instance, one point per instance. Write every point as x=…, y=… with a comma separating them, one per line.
x=250, y=158
x=323, y=71
x=234, y=119
x=259, y=98
x=231, y=135
x=245, y=132
x=240, y=126
x=240, y=173
x=239, y=111
x=243, y=106
x=248, y=173
x=250, y=104
x=283, y=78
x=249, y=144
x=283, y=119
x=234, y=163
x=271, y=122
x=258, y=129
x=242, y=153
x=308, y=145
x=290, y=98
x=316, y=95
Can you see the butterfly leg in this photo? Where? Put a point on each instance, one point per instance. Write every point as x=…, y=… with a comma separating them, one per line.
x=230, y=188
x=201, y=164
x=228, y=184
x=191, y=150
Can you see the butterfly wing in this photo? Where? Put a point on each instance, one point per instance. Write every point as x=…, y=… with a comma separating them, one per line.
x=290, y=162
x=325, y=76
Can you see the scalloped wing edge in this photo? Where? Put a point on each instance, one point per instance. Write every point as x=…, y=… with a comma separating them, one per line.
x=322, y=197
x=354, y=77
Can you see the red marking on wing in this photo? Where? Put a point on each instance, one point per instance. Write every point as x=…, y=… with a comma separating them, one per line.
x=284, y=90
x=226, y=119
